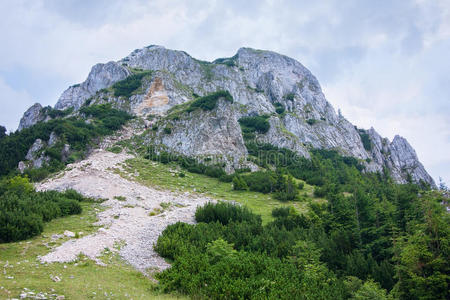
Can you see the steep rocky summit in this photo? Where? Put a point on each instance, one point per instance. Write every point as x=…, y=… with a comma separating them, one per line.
x=160, y=84
x=32, y=116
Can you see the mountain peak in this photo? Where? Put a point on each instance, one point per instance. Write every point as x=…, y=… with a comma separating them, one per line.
x=262, y=83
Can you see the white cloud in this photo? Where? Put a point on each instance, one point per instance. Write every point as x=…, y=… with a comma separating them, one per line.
x=13, y=104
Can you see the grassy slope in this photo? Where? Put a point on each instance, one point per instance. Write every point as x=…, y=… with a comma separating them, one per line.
x=161, y=175
x=86, y=280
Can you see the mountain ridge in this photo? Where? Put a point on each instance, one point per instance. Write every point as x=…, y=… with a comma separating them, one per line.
x=260, y=82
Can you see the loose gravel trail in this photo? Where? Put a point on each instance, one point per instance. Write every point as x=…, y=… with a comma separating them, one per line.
x=127, y=216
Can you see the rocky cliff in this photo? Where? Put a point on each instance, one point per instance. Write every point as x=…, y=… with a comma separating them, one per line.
x=32, y=116
x=101, y=76
x=261, y=83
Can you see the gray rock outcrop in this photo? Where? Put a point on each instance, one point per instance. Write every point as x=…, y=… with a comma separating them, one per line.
x=31, y=116
x=101, y=76
x=214, y=134
x=35, y=157
x=35, y=148
x=404, y=162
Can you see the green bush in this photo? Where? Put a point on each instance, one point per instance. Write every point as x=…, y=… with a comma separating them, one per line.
x=365, y=138
x=55, y=113
x=226, y=178
x=74, y=195
x=170, y=243
x=281, y=212
x=24, y=211
x=320, y=192
x=279, y=108
x=254, y=124
x=286, y=189
x=213, y=171
x=232, y=256
x=263, y=182
x=228, y=61
x=224, y=213
x=115, y=149
x=127, y=86
x=239, y=183
x=311, y=121
x=209, y=102
x=290, y=96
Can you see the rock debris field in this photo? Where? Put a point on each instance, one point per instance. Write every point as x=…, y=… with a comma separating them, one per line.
x=127, y=219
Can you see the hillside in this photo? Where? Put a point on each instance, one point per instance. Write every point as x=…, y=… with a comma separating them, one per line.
x=163, y=176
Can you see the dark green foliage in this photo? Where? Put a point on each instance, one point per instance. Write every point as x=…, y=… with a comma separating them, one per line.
x=324, y=166
x=242, y=170
x=73, y=131
x=320, y=192
x=279, y=108
x=115, y=149
x=281, y=212
x=55, y=113
x=365, y=138
x=311, y=121
x=167, y=130
x=228, y=61
x=286, y=189
x=267, y=182
x=224, y=213
x=260, y=181
x=209, y=102
x=214, y=171
x=239, y=183
x=251, y=125
x=362, y=235
x=289, y=96
x=387, y=236
x=108, y=119
x=232, y=256
x=2, y=132
x=227, y=178
x=24, y=211
x=423, y=267
x=127, y=86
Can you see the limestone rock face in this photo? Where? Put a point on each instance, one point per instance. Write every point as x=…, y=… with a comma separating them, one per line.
x=53, y=139
x=215, y=134
x=404, y=162
x=399, y=157
x=32, y=116
x=35, y=159
x=101, y=76
x=37, y=145
x=259, y=81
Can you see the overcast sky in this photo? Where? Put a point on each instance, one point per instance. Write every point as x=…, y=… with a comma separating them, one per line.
x=385, y=64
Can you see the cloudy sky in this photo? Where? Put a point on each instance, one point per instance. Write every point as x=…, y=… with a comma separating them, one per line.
x=385, y=64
